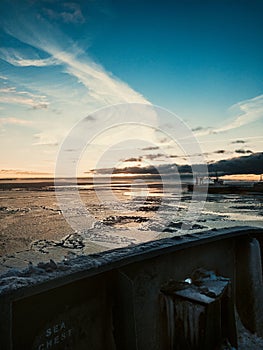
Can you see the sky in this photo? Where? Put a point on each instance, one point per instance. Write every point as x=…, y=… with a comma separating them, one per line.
x=62, y=61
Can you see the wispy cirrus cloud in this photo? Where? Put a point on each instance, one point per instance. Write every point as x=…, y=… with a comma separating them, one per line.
x=24, y=101
x=18, y=59
x=14, y=121
x=101, y=85
x=8, y=89
x=46, y=39
x=245, y=112
x=10, y=95
x=49, y=70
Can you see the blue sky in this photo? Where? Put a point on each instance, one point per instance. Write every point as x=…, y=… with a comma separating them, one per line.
x=60, y=61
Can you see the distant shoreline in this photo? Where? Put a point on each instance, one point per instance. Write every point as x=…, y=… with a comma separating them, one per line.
x=49, y=184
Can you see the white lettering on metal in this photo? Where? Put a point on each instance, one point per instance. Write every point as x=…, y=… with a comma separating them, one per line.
x=55, y=335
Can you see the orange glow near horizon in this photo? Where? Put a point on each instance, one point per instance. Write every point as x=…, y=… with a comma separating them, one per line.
x=16, y=175
x=31, y=175
x=241, y=177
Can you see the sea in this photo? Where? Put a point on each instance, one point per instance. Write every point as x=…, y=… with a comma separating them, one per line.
x=40, y=220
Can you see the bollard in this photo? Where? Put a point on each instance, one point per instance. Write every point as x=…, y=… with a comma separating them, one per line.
x=200, y=315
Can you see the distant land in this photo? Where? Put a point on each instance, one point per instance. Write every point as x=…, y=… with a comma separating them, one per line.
x=252, y=164
x=240, y=168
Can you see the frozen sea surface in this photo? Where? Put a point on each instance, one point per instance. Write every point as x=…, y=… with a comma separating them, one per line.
x=34, y=228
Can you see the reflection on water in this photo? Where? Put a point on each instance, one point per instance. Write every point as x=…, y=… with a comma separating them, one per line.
x=124, y=213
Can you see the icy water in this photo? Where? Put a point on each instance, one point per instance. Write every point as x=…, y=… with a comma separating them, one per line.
x=34, y=228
